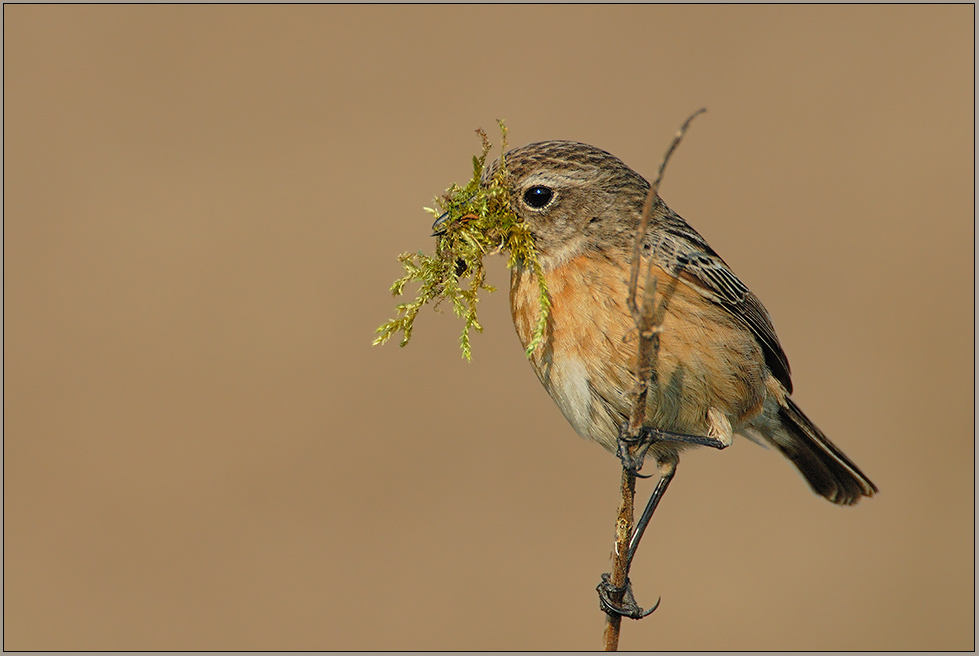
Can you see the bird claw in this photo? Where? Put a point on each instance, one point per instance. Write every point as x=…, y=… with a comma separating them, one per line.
x=632, y=450
x=628, y=607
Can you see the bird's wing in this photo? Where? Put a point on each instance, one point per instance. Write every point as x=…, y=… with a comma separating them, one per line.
x=678, y=245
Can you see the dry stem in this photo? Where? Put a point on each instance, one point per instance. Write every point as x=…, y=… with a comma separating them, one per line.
x=648, y=325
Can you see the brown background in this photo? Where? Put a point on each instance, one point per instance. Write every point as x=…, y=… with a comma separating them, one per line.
x=202, y=212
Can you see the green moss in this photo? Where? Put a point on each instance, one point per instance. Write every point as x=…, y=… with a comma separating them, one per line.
x=480, y=222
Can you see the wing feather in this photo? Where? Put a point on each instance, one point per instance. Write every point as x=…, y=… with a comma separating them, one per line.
x=675, y=243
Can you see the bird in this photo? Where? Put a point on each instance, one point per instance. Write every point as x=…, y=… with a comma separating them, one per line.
x=720, y=369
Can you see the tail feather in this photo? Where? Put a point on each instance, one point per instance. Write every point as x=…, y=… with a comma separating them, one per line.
x=827, y=469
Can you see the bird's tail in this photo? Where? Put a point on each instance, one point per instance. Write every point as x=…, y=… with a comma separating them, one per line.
x=827, y=469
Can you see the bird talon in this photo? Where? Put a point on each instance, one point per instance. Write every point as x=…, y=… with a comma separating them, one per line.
x=632, y=450
x=625, y=608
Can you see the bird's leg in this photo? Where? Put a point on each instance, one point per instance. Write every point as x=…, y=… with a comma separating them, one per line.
x=649, y=436
x=629, y=607
x=667, y=470
x=632, y=452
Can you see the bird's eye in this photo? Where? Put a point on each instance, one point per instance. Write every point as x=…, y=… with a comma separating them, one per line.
x=537, y=196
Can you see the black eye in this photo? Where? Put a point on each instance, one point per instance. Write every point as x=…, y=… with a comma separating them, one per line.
x=538, y=196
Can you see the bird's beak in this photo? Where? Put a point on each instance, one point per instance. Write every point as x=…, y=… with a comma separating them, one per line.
x=438, y=228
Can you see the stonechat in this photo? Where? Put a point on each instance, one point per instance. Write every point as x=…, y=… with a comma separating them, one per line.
x=720, y=369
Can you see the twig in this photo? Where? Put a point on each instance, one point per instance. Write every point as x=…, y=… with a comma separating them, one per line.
x=648, y=325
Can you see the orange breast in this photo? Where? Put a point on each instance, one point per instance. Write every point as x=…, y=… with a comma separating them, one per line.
x=706, y=357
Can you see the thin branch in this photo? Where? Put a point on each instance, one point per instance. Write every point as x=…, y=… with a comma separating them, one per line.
x=648, y=325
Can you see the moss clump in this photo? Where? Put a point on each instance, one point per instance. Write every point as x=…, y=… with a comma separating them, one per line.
x=478, y=222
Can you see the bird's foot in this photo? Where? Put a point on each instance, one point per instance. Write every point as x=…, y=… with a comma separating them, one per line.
x=632, y=450
x=627, y=607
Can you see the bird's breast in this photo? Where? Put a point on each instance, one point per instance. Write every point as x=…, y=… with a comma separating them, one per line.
x=588, y=352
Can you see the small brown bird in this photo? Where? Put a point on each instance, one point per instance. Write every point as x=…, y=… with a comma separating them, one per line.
x=720, y=369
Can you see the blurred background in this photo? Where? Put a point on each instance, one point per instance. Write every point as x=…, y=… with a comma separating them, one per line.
x=202, y=210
